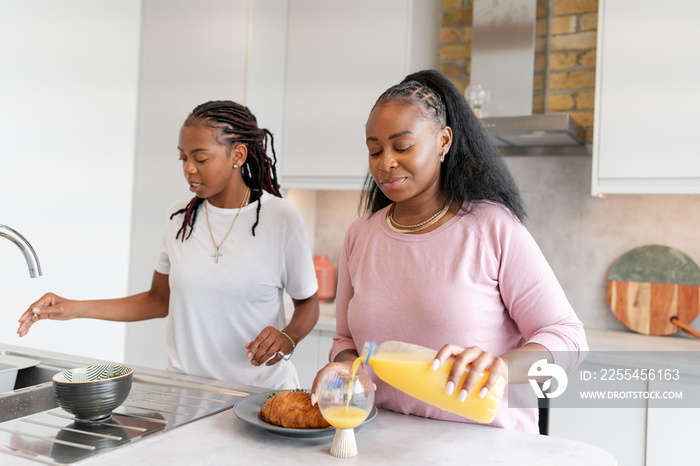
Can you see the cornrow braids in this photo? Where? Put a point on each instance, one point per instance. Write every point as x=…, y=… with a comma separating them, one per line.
x=413, y=92
x=235, y=124
x=473, y=169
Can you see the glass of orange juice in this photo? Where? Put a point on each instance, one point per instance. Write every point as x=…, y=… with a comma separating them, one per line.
x=345, y=400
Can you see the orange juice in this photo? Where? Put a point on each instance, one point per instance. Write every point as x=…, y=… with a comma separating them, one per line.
x=345, y=417
x=407, y=368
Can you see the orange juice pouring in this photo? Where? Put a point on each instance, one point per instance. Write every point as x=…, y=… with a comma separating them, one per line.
x=407, y=368
x=345, y=401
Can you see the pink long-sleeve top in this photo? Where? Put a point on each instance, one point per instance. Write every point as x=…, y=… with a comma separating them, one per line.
x=478, y=280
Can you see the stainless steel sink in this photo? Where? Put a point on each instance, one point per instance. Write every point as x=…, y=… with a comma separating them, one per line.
x=32, y=391
x=33, y=426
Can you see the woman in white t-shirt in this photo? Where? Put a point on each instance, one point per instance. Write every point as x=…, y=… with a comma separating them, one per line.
x=221, y=280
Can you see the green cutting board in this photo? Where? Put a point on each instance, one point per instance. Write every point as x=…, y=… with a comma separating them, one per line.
x=650, y=284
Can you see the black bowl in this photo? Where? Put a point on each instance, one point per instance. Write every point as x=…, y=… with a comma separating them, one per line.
x=91, y=393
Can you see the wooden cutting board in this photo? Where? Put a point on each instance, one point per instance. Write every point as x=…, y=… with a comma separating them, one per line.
x=649, y=285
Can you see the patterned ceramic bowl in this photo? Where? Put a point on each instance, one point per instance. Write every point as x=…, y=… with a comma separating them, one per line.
x=92, y=392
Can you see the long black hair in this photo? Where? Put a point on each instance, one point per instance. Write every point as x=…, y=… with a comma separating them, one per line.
x=236, y=125
x=473, y=168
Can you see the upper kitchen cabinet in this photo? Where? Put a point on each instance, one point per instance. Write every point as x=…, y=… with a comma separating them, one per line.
x=340, y=57
x=647, y=98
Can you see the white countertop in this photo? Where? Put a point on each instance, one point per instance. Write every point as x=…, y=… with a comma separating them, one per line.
x=598, y=339
x=390, y=438
x=326, y=318
x=627, y=340
x=630, y=349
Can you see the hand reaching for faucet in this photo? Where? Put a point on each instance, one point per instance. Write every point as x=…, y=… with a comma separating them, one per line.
x=49, y=306
x=150, y=304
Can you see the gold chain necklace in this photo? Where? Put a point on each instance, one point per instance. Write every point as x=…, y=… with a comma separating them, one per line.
x=217, y=254
x=399, y=228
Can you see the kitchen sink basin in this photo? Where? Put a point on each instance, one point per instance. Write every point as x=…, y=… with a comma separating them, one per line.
x=33, y=426
x=22, y=403
x=36, y=375
x=32, y=392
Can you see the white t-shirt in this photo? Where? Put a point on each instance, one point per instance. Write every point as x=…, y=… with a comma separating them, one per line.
x=215, y=308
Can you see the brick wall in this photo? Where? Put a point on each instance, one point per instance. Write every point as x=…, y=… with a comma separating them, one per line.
x=565, y=54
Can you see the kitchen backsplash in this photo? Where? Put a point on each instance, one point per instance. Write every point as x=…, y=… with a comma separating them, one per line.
x=581, y=236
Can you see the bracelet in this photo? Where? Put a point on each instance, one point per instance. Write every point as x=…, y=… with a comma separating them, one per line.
x=286, y=357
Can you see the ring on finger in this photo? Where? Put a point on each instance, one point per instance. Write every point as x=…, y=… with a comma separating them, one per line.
x=35, y=316
x=281, y=354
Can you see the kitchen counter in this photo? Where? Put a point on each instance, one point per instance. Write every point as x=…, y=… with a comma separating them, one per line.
x=626, y=340
x=598, y=339
x=222, y=438
x=326, y=317
x=390, y=438
x=631, y=349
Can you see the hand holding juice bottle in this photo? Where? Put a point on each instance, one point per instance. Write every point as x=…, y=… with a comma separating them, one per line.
x=409, y=368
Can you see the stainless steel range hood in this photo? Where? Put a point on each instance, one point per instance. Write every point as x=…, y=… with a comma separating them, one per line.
x=503, y=56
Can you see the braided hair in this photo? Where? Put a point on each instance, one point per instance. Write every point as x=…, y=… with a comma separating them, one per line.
x=473, y=168
x=235, y=125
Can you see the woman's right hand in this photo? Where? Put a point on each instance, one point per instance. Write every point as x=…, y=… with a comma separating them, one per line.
x=49, y=306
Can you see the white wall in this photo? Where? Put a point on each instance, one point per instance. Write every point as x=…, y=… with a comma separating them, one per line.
x=194, y=52
x=67, y=119
x=93, y=96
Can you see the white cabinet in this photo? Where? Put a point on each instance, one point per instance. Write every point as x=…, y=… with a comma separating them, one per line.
x=620, y=431
x=340, y=57
x=647, y=96
x=311, y=355
x=672, y=433
x=656, y=435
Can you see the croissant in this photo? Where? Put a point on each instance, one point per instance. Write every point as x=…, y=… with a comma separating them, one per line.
x=293, y=410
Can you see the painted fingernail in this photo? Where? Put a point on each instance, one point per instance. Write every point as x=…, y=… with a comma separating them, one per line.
x=483, y=392
x=434, y=366
x=313, y=399
x=450, y=388
x=463, y=395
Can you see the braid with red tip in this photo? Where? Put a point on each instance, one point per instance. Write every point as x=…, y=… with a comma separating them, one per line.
x=236, y=125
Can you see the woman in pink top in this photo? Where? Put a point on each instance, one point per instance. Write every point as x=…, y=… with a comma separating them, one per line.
x=442, y=259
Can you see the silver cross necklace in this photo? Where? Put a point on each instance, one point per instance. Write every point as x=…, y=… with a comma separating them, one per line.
x=217, y=254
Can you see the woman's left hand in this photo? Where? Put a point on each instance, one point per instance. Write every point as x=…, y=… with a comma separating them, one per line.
x=269, y=347
x=479, y=360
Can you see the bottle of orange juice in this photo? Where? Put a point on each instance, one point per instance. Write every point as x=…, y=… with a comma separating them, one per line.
x=407, y=367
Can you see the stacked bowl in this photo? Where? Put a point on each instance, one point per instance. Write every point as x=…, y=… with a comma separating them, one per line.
x=91, y=393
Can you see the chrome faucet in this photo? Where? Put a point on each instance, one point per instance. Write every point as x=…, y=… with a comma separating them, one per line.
x=27, y=249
